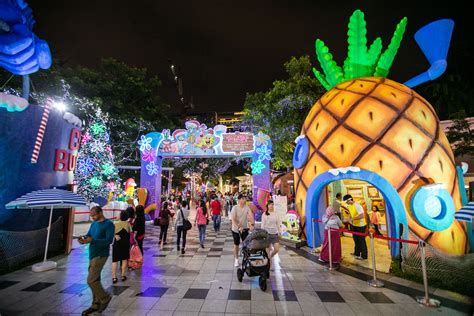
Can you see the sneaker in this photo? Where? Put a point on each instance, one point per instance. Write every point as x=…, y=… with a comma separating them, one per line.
x=202, y=246
x=360, y=258
x=236, y=262
x=321, y=260
x=177, y=248
x=182, y=251
x=104, y=305
x=89, y=311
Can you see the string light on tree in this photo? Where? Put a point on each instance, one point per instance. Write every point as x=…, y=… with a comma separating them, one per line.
x=85, y=165
x=96, y=173
x=108, y=169
x=95, y=182
x=97, y=129
x=86, y=137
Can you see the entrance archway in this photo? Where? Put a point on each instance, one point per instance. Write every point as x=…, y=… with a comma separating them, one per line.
x=315, y=204
x=196, y=140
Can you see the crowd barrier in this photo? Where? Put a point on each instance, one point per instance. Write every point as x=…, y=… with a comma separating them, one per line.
x=425, y=300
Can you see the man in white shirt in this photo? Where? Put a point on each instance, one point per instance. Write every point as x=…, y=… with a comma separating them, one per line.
x=242, y=220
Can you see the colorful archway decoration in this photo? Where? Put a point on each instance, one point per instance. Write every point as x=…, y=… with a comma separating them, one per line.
x=196, y=140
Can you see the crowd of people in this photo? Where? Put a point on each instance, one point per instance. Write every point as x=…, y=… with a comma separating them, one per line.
x=129, y=230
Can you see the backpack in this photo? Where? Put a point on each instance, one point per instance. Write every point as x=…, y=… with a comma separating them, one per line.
x=186, y=223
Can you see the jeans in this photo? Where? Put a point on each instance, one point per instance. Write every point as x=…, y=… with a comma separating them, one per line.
x=360, y=248
x=217, y=222
x=179, y=231
x=163, y=232
x=99, y=295
x=202, y=233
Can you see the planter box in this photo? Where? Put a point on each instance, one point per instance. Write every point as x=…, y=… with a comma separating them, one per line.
x=292, y=243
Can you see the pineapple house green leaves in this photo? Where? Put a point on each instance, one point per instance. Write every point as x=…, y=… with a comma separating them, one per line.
x=361, y=61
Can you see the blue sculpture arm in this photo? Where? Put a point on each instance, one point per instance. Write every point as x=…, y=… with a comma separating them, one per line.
x=435, y=71
x=21, y=51
x=434, y=40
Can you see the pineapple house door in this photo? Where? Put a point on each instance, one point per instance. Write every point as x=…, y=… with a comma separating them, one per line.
x=316, y=206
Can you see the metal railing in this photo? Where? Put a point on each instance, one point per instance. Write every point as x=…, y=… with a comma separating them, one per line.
x=374, y=282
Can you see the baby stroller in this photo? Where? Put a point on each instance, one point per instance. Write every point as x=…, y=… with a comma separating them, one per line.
x=255, y=260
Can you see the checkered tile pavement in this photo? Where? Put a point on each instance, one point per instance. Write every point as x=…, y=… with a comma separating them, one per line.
x=202, y=282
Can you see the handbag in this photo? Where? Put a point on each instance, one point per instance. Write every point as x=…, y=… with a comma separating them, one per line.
x=186, y=223
x=132, y=238
x=136, y=257
x=156, y=221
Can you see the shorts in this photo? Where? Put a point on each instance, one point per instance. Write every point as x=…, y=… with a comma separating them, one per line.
x=273, y=238
x=238, y=237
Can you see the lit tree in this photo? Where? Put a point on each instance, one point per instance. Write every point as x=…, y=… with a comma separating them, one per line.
x=280, y=111
x=96, y=174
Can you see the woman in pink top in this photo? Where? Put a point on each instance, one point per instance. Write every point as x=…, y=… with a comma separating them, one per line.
x=374, y=219
x=201, y=221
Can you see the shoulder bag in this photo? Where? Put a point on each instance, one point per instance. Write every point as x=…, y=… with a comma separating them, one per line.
x=186, y=223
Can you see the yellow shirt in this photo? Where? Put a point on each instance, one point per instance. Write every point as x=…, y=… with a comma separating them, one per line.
x=355, y=210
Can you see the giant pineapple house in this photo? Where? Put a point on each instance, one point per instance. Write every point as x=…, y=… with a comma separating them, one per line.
x=372, y=129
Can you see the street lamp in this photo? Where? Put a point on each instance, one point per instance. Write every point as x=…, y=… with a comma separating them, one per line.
x=59, y=105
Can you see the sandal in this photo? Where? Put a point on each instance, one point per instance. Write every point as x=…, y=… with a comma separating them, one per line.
x=124, y=278
x=114, y=280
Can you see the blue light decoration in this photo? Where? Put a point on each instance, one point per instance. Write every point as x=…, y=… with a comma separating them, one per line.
x=145, y=143
x=85, y=166
x=264, y=153
x=300, y=156
x=152, y=169
x=433, y=207
x=21, y=51
x=257, y=167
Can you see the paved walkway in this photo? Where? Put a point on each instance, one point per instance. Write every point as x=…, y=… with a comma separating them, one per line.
x=202, y=282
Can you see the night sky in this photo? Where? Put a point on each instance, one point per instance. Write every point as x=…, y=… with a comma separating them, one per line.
x=227, y=48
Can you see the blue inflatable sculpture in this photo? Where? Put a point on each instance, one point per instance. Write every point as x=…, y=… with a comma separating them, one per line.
x=21, y=51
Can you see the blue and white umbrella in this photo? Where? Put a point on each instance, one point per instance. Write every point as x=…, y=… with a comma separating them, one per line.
x=50, y=199
x=466, y=213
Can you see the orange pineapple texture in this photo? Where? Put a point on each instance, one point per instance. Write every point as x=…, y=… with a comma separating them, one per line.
x=385, y=127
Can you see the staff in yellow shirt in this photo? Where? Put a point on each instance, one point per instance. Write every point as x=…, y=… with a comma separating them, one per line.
x=357, y=219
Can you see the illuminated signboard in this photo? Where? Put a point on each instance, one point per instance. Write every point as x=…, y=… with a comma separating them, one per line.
x=237, y=142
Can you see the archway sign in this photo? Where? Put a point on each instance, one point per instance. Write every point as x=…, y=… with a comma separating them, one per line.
x=196, y=140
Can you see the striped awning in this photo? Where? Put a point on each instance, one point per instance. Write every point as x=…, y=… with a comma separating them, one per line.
x=465, y=213
x=55, y=198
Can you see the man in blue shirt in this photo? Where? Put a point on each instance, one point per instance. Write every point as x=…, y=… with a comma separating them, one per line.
x=99, y=236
